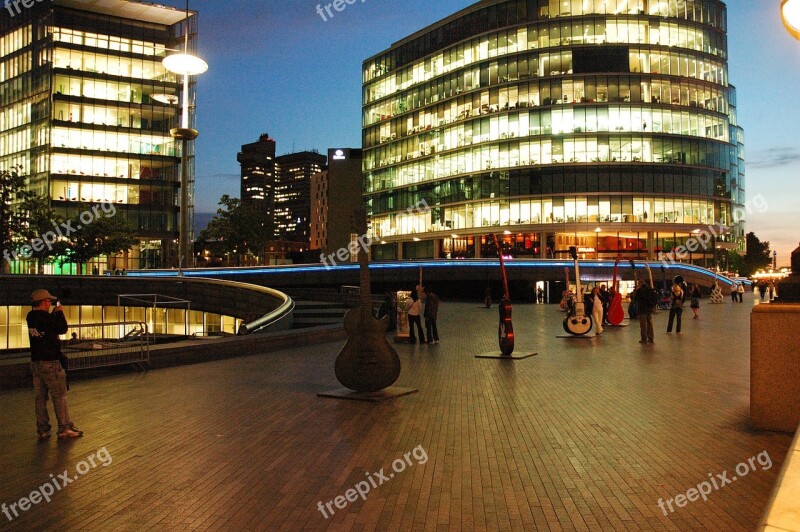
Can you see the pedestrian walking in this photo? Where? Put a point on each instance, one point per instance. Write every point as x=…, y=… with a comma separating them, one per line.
x=431, y=314
x=762, y=290
x=740, y=290
x=735, y=292
x=414, y=313
x=597, y=310
x=605, y=297
x=771, y=289
x=696, y=294
x=676, y=307
x=646, y=299
x=48, y=364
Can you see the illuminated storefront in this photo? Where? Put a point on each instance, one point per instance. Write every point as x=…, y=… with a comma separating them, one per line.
x=607, y=124
x=86, y=112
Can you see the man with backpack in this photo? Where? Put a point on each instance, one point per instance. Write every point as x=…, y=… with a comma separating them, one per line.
x=646, y=300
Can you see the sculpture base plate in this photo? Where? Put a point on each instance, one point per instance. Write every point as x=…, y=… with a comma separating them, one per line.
x=392, y=392
x=623, y=324
x=587, y=335
x=501, y=356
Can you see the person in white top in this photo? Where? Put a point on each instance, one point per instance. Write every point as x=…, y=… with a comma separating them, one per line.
x=597, y=310
x=414, y=318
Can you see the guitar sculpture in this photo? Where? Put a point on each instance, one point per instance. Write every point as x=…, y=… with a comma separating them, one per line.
x=366, y=363
x=566, y=295
x=505, y=329
x=577, y=322
x=615, y=312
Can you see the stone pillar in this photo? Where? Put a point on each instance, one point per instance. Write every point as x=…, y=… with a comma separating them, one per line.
x=542, y=245
x=774, y=358
x=399, y=251
x=477, y=240
x=437, y=248
x=651, y=246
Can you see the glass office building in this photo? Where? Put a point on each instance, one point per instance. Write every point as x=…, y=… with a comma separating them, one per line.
x=86, y=109
x=606, y=124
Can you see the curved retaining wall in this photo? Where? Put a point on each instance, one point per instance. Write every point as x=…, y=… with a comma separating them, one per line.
x=266, y=307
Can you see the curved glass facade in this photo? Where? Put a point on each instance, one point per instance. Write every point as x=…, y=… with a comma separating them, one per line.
x=604, y=123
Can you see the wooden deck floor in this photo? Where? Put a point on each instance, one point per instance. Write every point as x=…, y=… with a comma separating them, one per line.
x=587, y=435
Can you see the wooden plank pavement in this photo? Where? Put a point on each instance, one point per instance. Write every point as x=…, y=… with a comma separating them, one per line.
x=588, y=435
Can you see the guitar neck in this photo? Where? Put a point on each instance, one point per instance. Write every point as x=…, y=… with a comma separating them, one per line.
x=364, y=283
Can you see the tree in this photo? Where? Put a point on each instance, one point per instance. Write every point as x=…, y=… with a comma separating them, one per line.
x=237, y=229
x=13, y=191
x=41, y=231
x=104, y=234
x=757, y=256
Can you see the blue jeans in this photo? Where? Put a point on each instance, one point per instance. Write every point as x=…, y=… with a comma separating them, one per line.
x=49, y=378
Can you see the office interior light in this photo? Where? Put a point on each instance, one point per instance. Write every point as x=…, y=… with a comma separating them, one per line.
x=169, y=99
x=790, y=14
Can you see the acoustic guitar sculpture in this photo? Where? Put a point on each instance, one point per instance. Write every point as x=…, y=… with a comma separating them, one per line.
x=505, y=329
x=367, y=362
x=615, y=312
x=577, y=322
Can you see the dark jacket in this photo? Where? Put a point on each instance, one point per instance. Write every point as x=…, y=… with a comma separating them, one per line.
x=43, y=331
x=431, y=305
x=645, y=298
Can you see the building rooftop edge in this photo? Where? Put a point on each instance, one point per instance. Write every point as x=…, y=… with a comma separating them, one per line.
x=129, y=9
x=441, y=22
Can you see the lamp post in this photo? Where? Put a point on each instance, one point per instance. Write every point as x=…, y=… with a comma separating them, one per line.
x=789, y=288
x=186, y=65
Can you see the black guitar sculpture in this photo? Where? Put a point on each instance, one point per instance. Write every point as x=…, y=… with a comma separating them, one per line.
x=577, y=322
x=366, y=363
x=505, y=329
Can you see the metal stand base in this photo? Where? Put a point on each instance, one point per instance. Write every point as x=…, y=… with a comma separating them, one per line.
x=498, y=354
x=392, y=392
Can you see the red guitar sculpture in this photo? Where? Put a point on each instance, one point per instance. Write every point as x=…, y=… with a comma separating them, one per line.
x=505, y=329
x=366, y=363
x=615, y=312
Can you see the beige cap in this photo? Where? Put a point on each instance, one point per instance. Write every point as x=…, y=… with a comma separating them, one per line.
x=41, y=295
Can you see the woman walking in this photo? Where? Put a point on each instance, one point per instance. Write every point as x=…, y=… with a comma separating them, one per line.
x=676, y=308
x=696, y=301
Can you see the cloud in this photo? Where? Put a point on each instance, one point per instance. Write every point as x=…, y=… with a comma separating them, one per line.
x=774, y=157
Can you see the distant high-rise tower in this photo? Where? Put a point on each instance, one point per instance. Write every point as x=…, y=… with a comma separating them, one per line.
x=293, y=194
x=258, y=176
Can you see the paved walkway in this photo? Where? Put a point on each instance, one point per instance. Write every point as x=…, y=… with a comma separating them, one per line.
x=587, y=435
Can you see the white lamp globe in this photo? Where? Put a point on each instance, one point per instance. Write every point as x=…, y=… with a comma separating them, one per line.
x=185, y=64
x=790, y=14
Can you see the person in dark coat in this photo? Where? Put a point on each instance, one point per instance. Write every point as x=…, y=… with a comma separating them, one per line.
x=48, y=364
x=644, y=297
x=431, y=314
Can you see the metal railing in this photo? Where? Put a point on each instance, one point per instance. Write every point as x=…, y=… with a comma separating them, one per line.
x=96, y=345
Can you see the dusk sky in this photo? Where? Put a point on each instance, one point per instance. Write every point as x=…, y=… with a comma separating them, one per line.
x=276, y=67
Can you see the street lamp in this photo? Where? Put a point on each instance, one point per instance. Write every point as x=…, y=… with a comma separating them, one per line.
x=790, y=14
x=789, y=288
x=186, y=65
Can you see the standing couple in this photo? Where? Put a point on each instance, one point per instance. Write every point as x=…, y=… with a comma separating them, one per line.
x=431, y=312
